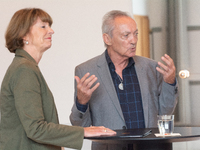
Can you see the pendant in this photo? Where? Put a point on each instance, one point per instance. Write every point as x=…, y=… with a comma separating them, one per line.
x=121, y=86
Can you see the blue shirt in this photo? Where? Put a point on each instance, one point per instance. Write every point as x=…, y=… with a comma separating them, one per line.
x=130, y=97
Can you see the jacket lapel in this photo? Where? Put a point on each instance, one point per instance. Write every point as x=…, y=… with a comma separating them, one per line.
x=141, y=74
x=106, y=79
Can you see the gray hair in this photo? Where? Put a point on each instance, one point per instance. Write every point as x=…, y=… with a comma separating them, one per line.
x=108, y=21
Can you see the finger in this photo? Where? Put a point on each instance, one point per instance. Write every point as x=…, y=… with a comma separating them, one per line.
x=77, y=79
x=168, y=57
x=89, y=81
x=85, y=77
x=163, y=66
x=95, y=87
x=101, y=126
x=97, y=127
x=92, y=81
x=109, y=130
x=167, y=60
x=169, y=64
x=160, y=70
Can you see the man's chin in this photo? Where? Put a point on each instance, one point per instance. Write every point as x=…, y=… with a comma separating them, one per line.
x=132, y=54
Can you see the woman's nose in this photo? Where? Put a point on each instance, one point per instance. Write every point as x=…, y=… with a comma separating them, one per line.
x=51, y=31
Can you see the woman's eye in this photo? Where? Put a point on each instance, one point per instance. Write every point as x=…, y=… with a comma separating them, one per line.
x=43, y=26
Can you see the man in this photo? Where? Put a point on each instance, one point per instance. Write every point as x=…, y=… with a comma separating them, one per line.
x=131, y=90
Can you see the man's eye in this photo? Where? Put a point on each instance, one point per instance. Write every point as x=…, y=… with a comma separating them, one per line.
x=43, y=26
x=126, y=35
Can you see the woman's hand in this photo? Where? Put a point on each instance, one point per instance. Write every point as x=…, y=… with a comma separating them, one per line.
x=98, y=131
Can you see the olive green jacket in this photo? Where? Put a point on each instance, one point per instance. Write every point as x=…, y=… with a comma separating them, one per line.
x=29, y=118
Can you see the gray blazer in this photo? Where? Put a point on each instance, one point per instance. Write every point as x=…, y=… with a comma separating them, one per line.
x=104, y=108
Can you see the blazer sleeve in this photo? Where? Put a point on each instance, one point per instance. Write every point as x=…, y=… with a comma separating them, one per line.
x=167, y=95
x=77, y=117
x=168, y=98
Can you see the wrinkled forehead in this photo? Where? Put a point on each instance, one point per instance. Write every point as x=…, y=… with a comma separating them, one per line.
x=125, y=24
x=124, y=20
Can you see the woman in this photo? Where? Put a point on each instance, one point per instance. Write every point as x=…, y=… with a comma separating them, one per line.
x=28, y=114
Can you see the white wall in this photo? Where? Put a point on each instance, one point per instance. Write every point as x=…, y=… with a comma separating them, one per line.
x=77, y=38
x=139, y=7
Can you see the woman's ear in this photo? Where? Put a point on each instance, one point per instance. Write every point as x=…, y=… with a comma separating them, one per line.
x=26, y=39
x=107, y=39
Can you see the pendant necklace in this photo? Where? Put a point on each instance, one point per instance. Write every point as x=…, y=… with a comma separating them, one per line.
x=121, y=87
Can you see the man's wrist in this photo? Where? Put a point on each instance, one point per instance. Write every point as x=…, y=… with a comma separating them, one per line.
x=81, y=107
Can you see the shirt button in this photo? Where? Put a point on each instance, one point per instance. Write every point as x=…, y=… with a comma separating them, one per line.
x=124, y=127
x=176, y=90
x=81, y=115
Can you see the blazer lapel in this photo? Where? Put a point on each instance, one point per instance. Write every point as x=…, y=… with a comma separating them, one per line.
x=106, y=79
x=141, y=74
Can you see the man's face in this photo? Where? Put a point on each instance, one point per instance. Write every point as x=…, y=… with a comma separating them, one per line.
x=125, y=37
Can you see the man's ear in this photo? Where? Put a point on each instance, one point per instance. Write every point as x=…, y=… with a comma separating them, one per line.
x=107, y=39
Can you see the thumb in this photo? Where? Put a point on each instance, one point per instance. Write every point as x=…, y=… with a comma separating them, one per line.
x=77, y=79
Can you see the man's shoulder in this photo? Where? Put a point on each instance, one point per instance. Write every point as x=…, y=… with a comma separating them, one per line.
x=142, y=59
x=93, y=61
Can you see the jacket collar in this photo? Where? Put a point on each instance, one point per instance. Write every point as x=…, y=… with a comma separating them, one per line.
x=23, y=53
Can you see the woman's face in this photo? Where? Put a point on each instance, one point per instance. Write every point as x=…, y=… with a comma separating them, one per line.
x=39, y=36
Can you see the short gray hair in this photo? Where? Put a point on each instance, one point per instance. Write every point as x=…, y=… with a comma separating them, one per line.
x=108, y=21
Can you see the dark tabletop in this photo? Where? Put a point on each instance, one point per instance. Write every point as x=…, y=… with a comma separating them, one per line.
x=187, y=134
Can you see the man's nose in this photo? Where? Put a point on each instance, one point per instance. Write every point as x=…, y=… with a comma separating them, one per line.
x=134, y=39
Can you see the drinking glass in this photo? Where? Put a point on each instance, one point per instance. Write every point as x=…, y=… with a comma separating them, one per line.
x=166, y=124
